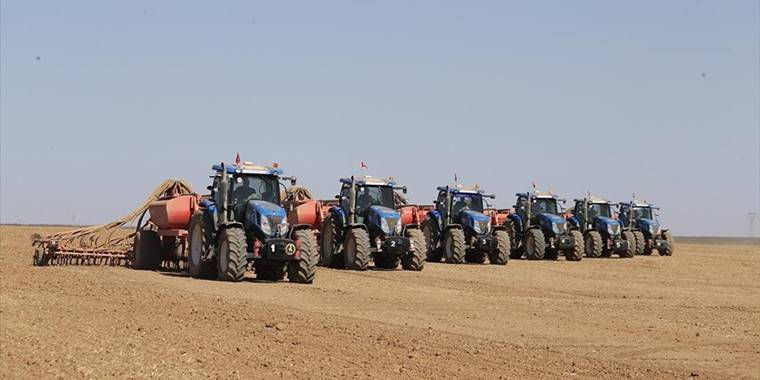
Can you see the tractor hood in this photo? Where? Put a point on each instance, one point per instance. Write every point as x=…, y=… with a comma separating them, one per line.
x=267, y=217
x=649, y=226
x=552, y=223
x=477, y=222
x=386, y=219
x=611, y=226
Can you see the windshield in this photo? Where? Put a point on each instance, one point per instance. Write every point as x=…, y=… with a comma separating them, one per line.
x=255, y=187
x=464, y=201
x=599, y=209
x=544, y=205
x=642, y=213
x=367, y=196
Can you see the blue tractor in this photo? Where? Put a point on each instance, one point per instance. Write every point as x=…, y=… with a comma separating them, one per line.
x=365, y=225
x=242, y=221
x=457, y=229
x=539, y=230
x=603, y=235
x=640, y=218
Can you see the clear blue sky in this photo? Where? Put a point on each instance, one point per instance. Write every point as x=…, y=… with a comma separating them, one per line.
x=652, y=97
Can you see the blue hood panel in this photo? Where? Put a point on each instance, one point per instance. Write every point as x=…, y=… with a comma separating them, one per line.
x=550, y=218
x=474, y=216
x=266, y=209
x=605, y=221
x=384, y=212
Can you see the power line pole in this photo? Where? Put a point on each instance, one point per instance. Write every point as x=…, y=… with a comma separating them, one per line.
x=752, y=216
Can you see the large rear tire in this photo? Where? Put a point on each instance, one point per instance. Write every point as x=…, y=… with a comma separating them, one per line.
x=575, y=253
x=500, y=255
x=593, y=244
x=433, y=253
x=147, y=246
x=303, y=271
x=328, y=247
x=668, y=237
x=41, y=257
x=535, y=245
x=453, y=246
x=415, y=259
x=199, y=264
x=631, y=239
x=231, y=263
x=356, y=249
x=640, y=243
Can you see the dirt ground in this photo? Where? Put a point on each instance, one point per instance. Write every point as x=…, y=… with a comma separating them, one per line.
x=696, y=314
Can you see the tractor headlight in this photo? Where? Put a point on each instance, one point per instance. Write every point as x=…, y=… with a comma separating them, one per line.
x=558, y=228
x=476, y=227
x=384, y=226
x=282, y=227
x=399, y=227
x=265, y=226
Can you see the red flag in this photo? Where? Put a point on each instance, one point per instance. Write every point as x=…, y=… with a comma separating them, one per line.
x=237, y=159
x=362, y=165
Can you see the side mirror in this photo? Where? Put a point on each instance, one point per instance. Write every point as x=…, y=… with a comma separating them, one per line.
x=210, y=188
x=403, y=189
x=337, y=197
x=492, y=196
x=293, y=181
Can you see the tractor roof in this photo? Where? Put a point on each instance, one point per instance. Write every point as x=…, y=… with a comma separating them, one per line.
x=459, y=188
x=538, y=194
x=370, y=181
x=595, y=199
x=638, y=203
x=249, y=168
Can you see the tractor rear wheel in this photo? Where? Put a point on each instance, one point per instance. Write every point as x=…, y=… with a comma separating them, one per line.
x=433, y=253
x=199, y=265
x=515, y=252
x=575, y=253
x=500, y=255
x=232, y=251
x=668, y=237
x=593, y=240
x=303, y=271
x=631, y=239
x=147, y=246
x=270, y=270
x=356, y=249
x=453, y=246
x=328, y=247
x=41, y=257
x=535, y=245
x=415, y=259
x=640, y=243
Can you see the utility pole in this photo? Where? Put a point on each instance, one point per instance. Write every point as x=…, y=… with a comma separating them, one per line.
x=752, y=216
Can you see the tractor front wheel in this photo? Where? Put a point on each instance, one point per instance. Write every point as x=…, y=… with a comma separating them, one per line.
x=303, y=271
x=593, y=240
x=535, y=245
x=356, y=249
x=640, y=242
x=575, y=253
x=631, y=239
x=453, y=246
x=198, y=263
x=232, y=249
x=432, y=251
x=668, y=237
x=328, y=247
x=147, y=246
x=415, y=259
x=500, y=255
